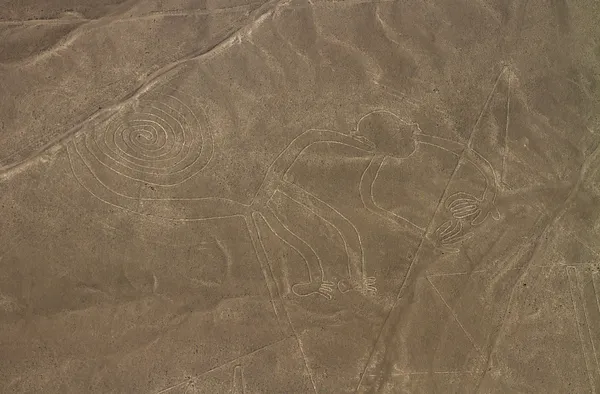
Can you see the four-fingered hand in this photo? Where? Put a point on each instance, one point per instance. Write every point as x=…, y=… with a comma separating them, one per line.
x=368, y=286
x=323, y=288
x=465, y=206
x=365, y=286
x=449, y=234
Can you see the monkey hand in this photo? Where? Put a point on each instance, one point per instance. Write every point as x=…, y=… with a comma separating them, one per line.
x=322, y=288
x=465, y=206
x=368, y=286
x=365, y=286
x=448, y=236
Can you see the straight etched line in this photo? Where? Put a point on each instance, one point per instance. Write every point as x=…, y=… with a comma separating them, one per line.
x=310, y=375
x=304, y=358
x=505, y=155
x=584, y=244
x=456, y=273
x=411, y=265
x=25, y=22
x=485, y=106
x=400, y=373
x=594, y=276
x=588, y=324
x=262, y=258
x=571, y=270
x=454, y=316
x=224, y=364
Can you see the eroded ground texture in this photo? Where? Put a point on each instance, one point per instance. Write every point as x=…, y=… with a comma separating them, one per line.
x=300, y=196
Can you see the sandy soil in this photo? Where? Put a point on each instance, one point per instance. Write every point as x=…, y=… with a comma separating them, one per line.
x=302, y=196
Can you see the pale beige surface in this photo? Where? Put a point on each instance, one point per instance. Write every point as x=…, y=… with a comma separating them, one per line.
x=300, y=196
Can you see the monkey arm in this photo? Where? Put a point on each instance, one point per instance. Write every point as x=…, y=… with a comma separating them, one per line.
x=366, y=184
x=470, y=155
x=289, y=155
x=366, y=194
x=486, y=169
x=284, y=161
x=346, y=229
x=453, y=147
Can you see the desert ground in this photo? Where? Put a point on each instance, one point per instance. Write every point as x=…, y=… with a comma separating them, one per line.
x=300, y=196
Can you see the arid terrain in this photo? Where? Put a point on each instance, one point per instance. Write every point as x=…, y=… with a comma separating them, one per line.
x=300, y=196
